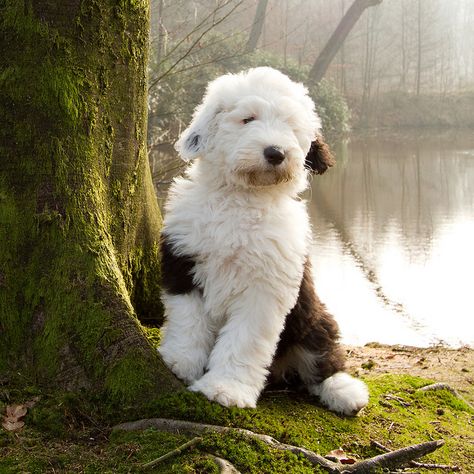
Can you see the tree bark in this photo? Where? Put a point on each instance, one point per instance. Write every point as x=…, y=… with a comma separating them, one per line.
x=79, y=221
x=334, y=43
x=257, y=26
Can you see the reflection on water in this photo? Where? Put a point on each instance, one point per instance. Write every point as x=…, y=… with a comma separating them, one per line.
x=394, y=239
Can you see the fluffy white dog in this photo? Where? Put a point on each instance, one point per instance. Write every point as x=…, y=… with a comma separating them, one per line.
x=238, y=293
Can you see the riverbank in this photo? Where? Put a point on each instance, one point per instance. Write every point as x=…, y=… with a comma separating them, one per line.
x=441, y=364
x=404, y=110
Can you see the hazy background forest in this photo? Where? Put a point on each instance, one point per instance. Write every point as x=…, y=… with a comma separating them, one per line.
x=404, y=63
x=394, y=220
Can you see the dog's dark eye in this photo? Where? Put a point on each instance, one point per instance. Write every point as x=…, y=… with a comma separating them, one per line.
x=248, y=119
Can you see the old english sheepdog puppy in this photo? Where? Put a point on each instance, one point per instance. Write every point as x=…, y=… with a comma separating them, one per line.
x=238, y=292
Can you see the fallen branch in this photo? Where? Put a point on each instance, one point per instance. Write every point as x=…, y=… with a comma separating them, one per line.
x=416, y=463
x=175, y=452
x=396, y=458
x=388, y=460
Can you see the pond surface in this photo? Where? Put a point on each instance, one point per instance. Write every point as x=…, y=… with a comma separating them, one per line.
x=393, y=223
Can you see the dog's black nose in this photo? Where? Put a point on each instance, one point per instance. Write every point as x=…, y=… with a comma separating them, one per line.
x=273, y=155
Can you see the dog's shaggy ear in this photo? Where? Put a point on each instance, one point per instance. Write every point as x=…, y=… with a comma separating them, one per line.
x=319, y=157
x=193, y=141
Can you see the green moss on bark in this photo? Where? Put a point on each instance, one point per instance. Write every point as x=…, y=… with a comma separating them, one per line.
x=79, y=222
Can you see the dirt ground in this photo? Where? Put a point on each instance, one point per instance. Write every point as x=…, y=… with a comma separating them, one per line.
x=452, y=366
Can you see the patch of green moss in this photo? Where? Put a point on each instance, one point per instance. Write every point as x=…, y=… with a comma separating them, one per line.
x=78, y=439
x=153, y=335
x=127, y=373
x=254, y=456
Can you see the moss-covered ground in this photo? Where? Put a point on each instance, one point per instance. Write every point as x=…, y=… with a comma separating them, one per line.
x=65, y=433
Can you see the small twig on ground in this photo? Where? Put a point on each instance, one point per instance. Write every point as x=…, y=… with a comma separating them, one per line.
x=392, y=459
x=400, y=400
x=176, y=451
x=416, y=463
x=225, y=467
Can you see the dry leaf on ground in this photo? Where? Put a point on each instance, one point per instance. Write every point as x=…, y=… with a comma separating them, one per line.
x=13, y=425
x=14, y=413
x=339, y=455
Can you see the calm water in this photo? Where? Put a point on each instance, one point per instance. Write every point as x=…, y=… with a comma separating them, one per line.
x=394, y=239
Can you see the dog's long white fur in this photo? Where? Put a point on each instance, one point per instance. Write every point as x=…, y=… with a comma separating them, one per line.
x=249, y=235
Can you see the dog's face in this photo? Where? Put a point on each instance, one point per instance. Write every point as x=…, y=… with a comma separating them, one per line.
x=257, y=129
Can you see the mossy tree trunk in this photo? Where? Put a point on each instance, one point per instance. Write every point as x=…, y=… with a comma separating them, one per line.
x=79, y=222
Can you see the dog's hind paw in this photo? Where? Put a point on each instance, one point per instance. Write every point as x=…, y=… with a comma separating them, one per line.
x=342, y=393
x=227, y=392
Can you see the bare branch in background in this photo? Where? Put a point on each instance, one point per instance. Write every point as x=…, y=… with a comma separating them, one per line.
x=195, y=42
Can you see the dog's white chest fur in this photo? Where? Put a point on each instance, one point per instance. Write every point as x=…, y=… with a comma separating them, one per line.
x=239, y=240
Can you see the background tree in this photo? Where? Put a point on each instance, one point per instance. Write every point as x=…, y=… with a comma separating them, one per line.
x=294, y=32
x=419, y=49
x=338, y=37
x=79, y=222
x=257, y=26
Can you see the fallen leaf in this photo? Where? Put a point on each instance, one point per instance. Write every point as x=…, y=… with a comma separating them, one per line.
x=341, y=456
x=31, y=403
x=13, y=425
x=13, y=413
x=16, y=411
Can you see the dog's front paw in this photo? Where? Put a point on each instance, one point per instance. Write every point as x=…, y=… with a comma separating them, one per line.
x=189, y=367
x=228, y=392
x=342, y=393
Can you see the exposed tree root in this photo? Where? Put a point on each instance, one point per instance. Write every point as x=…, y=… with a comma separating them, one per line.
x=178, y=426
x=444, y=386
x=392, y=459
x=225, y=467
x=419, y=464
x=439, y=386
